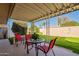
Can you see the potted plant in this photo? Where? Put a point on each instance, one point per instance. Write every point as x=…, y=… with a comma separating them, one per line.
x=35, y=36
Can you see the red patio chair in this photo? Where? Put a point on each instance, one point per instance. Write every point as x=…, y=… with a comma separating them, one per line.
x=18, y=38
x=28, y=37
x=45, y=49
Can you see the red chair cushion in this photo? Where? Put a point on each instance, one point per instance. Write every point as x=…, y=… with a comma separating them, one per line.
x=52, y=43
x=44, y=48
x=18, y=37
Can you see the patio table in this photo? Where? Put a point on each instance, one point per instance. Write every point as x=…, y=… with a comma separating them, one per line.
x=35, y=42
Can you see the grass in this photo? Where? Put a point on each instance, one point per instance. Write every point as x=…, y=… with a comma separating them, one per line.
x=72, y=39
x=66, y=42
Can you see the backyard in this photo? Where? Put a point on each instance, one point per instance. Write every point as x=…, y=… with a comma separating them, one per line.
x=65, y=28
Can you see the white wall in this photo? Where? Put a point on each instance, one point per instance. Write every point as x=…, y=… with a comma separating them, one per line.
x=63, y=31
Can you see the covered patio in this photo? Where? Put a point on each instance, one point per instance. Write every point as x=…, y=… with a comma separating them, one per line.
x=22, y=14
x=9, y=50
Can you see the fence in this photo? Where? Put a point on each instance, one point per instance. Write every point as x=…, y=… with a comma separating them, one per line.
x=72, y=31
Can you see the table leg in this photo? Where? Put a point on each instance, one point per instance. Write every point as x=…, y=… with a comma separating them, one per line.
x=36, y=49
x=27, y=50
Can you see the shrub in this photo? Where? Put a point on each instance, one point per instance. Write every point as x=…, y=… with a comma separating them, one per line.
x=11, y=40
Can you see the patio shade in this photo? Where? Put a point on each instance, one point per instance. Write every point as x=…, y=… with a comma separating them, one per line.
x=18, y=28
x=34, y=11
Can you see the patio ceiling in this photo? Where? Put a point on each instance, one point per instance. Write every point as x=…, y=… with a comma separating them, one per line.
x=35, y=11
x=5, y=11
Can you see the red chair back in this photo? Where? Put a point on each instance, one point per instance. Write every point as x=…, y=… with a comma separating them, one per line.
x=52, y=43
x=18, y=37
x=28, y=37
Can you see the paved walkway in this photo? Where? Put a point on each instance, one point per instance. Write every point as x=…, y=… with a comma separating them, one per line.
x=8, y=50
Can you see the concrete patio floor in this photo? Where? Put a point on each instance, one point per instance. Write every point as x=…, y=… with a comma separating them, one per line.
x=9, y=50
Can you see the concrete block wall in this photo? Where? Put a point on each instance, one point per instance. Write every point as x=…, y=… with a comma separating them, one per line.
x=72, y=31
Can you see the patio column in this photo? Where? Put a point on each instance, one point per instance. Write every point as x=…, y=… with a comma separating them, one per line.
x=14, y=42
x=32, y=27
x=59, y=21
x=48, y=27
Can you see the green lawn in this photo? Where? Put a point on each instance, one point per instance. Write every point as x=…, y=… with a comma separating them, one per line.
x=66, y=42
x=72, y=39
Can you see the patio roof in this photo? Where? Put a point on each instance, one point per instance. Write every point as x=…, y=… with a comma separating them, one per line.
x=31, y=11
x=5, y=12
x=34, y=11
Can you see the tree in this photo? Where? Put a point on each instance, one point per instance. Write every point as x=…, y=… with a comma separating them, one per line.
x=70, y=23
x=65, y=21
x=36, y=30
x=42, y=24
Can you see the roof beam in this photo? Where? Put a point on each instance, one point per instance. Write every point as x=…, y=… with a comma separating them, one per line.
x=11, y=8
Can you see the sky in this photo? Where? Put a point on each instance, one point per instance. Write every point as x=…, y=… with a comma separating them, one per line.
x=74, y=16
x=10, y=23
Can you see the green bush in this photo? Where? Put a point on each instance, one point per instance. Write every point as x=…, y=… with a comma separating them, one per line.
x=11, y=40
x=35, y=36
